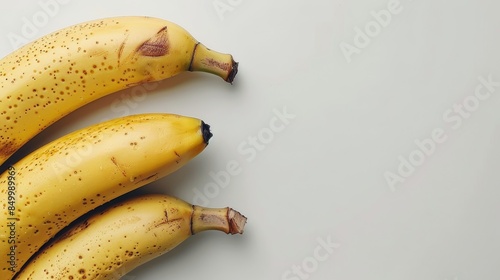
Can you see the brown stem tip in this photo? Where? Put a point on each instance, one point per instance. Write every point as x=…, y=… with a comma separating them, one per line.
x=232, y=72
x=236, y=221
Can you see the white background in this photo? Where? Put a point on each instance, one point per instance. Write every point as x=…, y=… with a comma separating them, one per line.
x=360, y=94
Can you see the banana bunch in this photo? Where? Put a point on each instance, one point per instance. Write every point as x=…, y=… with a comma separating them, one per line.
x=117, y=156
x=65, y=180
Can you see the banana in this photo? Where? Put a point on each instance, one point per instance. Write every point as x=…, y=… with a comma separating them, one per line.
x=57, y=183
x=111, y=242
x=47, y=79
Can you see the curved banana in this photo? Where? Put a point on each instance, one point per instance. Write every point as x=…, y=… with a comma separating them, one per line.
x=47, y=79
x=57, y=183
x=111, y=242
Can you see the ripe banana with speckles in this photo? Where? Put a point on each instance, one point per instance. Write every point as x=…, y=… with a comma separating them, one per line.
x=62, y=180
x=112, y=241
x=47, y=79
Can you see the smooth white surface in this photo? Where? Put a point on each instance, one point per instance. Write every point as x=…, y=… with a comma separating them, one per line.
x=320, y=175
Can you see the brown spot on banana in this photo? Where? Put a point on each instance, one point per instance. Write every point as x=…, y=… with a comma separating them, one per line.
x=113, y=159
x=152, y=177
x=214, y=63
x=179, y=158
x=156, y=46
x=7, y=148
x=165, y=221
x=99, y=53
x=120, y=50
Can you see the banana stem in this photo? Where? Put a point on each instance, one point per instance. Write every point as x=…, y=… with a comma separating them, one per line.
x=223, y=219
x=220, y=64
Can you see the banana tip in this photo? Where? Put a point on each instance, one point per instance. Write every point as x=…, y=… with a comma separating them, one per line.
x=233, y=72
x=205, y=131
x=236, y=222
